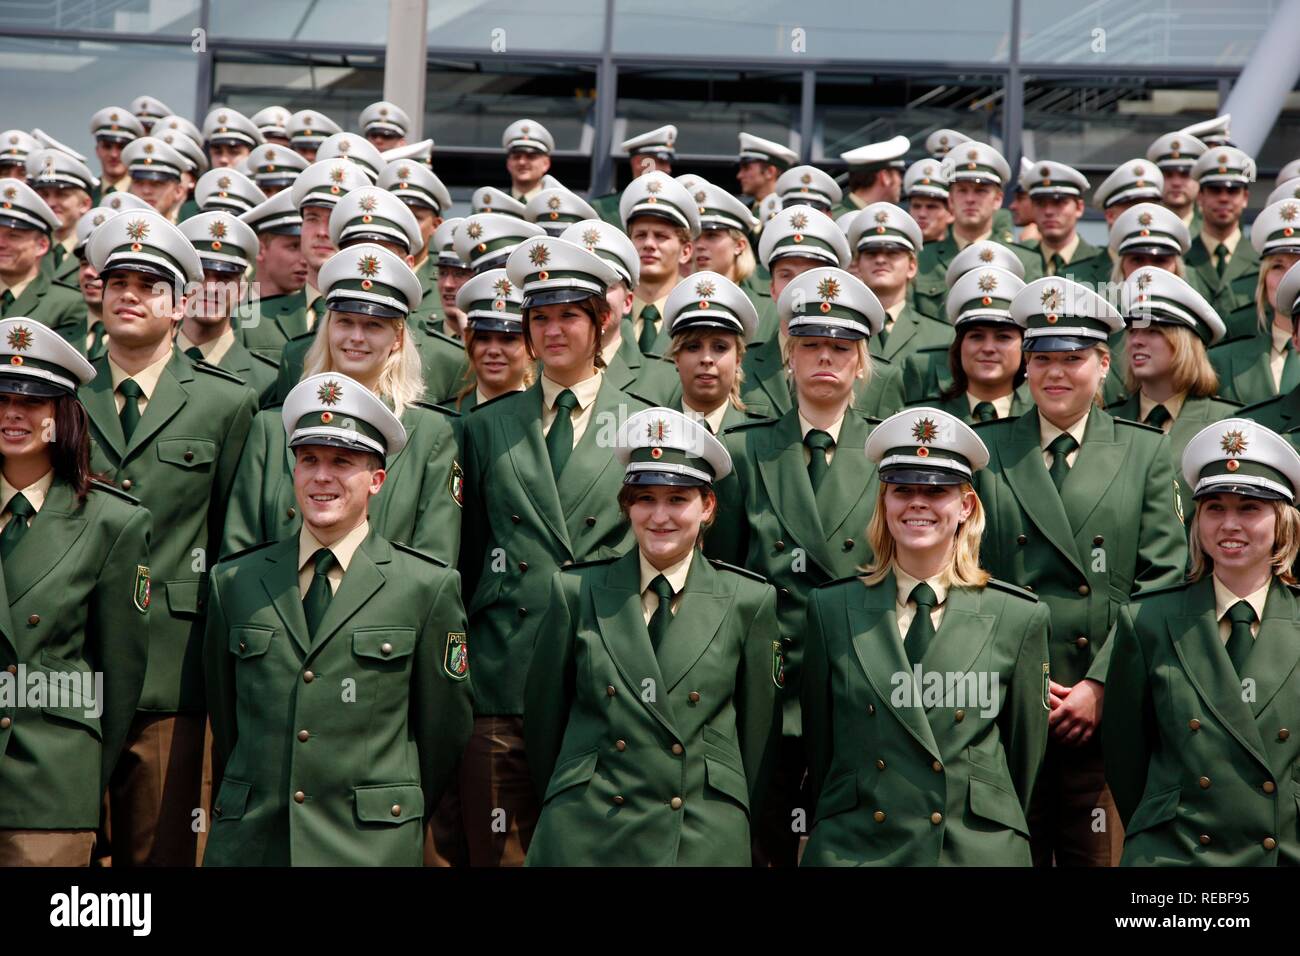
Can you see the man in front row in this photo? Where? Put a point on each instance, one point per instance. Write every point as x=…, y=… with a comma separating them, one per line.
x=336, y=662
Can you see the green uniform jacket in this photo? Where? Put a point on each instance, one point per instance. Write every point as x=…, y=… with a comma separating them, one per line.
x=769, y=521
x=430, y=307
x=606, y=207
x=912, y=332
x=1091, y=265
x=72, y=586
x=521, y=525
x=730, y=418
x=373, y=767
x=766, y=389
x=258, y=371
x=1196, y=414
x=1113, y=530
x=65, y=271
x=926, y=376
x=57, y=306
x=1233, y=295
x=1201, y=772
x=188, y=209
x=647, y=377
x=879, y=763
x=181, y=464
x=1243, y=369
x=1280, y=414
x=417, y=506
x=959, y=407
x=929, y=289
x=607, y=766
x=263, y=326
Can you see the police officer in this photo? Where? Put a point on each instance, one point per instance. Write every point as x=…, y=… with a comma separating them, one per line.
x=723, y=245
x=684, y=778
x=111, y=128
x=385, y=125
x=368, y=291
x=156, y=170
x=528, y=145
x=758, y=166
x=493, y=200
x=950, y=774
x=1221, y=266
x=184, y=137
x=75, y=553
x=1282, y=414
x=1083, y=510
x=663, y=221
x=544, y=479
x=647, y=152
x=556, y=208
x=1056, y=192
x=307, y=130
x=169, y=431
x=274, y=167
x=926, y=192
x=276, y=310
x=89, y=283
x=428, y=199
x=27, y=226
x=148, y=110
x=66, y=185
x=1203, y=773
x=806, y=186
x=225, y=247
x=15, y=146
x=494, y=341
x=354, y=149
x=229, y=136
x=797, y=504
x=228, y=190
x=451, y=273
x=1176, y=153
x=273, y=123
x=310, y=780
x=875, y=174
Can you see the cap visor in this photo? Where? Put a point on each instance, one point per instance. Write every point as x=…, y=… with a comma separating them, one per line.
x=498, y=325
x=143, y=268
x=826, y=332
x=1059, y=343
x=663, y=478
x=220, y=265
x=1150, y=249
x=19, y=384
x=911, y=475
x=160, y=175
x=364, y=307
x=555, y=297
x=1246, y=491
x=330, y=441
x=11, y=223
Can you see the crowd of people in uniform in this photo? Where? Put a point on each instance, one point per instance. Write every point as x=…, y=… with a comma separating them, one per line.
x=843, y=521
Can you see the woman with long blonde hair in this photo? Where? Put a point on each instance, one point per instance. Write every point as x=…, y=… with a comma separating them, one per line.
x=1203, y=685
x=368, y=292
x=924, y=678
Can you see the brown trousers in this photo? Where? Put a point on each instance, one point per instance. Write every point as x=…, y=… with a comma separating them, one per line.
x=46, y=847
x=1072, y=817
x=499, y=807
x=156, y=788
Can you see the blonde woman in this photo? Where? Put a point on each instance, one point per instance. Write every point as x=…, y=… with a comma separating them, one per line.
x=1282, y=414
x=1264, y=365
x=1169, y=377
x=723, y=245
x=499, y=362
x=925, y=703
x=368, y=291
x=1204, y=774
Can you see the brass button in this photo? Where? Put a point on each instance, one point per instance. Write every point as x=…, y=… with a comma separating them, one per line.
x=936, y=818
x=188, y=456
x=1205, y=783
x=620, y=745
x=1205, y=839
x=292, y=512
x=34, y=619
x=848, y=544
x=523, y=612
x=1270, y=843
x=1084, y=589
x=880, y=765
x=675, y=803
x=308, y=677
x=304, y=736
x=243, y=646
x=565, y=563
x=959, y=716
x=609, y=690
x=1194, y=724
x=1098, y=541
x=1269, y=786
x=693, y=697
x=216, y=811
x=1021, y=539
x=385, y=648
x=12, y=668
x=871, y=709
x=6, y=723
x=523, y=565
x=516, y=519
x=1283, y=734
x=299, y=797
x=783, y=592
x=678, y=749
x=618, y=800
x=936, y=767
x=591, y=521
x=397, y=810
x=780, y=546
x=126, y=484
x=879, y=816
x=1080, y=642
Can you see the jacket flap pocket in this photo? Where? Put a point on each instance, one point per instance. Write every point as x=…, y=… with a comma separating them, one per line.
x=183, y=596
x=78, y=716
x=249, y=640
x=389, y=803
x=232, y=799
x=727, y=779
x=839, y=794
x=574, y=771
x=992, y=802
x=383, y=643
x=1155, y=809
x=187, y=452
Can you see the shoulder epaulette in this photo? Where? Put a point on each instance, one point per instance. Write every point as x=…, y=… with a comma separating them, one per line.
x=993, y=423
x=431, y=558
x=745, y=572
x=931, y=349
x=444, y=337
x=1163, y=589
x=100, y=485
x=309, y=334
x=1234, y=340
x=243, y=551
x=755, y=416
x=590, y=563
x=739, y=426
x=492, y=401
x=1142, y=425
x=844, y=580
x=274, y=363
x=437, y=408
x=1012, y=589
x=202, y=366
x=1236, y=404
x=639, y=398
x=880, y=359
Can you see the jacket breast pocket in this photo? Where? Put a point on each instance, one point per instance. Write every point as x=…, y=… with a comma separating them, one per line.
x=573, y=772
x=72, y=684
x=383, y=643
x=838, y=796
x=184, y=598
x=996, y=803
x=389, y=804
x=727, y=780
x=232, y=800
x=1154, y=810
x=249, y=640
x=192, y=454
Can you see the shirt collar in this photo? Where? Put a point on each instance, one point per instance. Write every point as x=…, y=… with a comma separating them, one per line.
x=896, y=309
x=609, y=351
x=675, y=573
x=639, y=303
x=19, y=288
x=147, y=378
x=1225, y=599
x=585, y=391
x=1172, y=405
x=1231, y=242
x=214, y=351
x=1281, y=339
x=906, y=583
x=35, y=493
x=344, y=549
x=1066, y=253
x=1001, y=405
x=1049, y=432
x=962, y=243
x=714, y=418
x=806, y=426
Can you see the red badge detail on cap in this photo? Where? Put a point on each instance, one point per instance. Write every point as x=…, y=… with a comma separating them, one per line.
x=136, y=247
x=366, y=283
x=825, y=307
x=543, y=275
x=798, y=236
x=923, y=453
x=1051, y=320
x=986, y=301
x=704, y=304
x=216, y=246
x=326, y=417
x=1233, y=464
x=656, y=453
x=16, y=360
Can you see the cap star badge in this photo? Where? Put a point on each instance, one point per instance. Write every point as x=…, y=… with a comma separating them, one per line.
x=828, y=289
x=368, y=203
x=330, y=393
x=368, y=266
x=1288, y=212
x=799, y=220
x=986, y=255
x=137, y=230
x=502, y=287
x=988, y=282
x=590, y=237
x=1233, y=443
x=925, y=431
x=654, y=186
x=539, y=255
x=705, y=289
x=20, y=338
x=1051, y=299
x=217, y=230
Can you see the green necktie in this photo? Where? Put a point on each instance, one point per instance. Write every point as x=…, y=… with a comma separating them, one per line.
x=1157, y=416
x=649, y=332
x=59, y=254
x=1060, y=447
x=883, y=335
x=6, y=300
x=1290, y=371
x=663, y=615
x=1240, y=640
x=21, y=511
x=194, y=353
x=818, y=442
x=559, y=440
x=920, y=633
x=130, y=414
x=1058, y=264
x=1220, y=258
x=317, y=600
x=984, y=412
x=96, y=340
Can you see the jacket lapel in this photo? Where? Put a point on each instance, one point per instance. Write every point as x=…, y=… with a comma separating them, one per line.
x=102, y=410
x=617, y=603
x=1101, y=457
x=905, y=327
x=1277, y=645
x=849, y=480
x=769, y=375
x=532, y=465
x=962, y=633
x=591, y=456
x=30, y=300
x=785, y=476
x=168, y=398
x=54, y=530
x=1027, y=475
x=1021, y=401
x=1243, y=261
x=281, y=585
x=1199, y=258
x=700, y=613
x=874, y=626
x=363, y=578
x=1205, y=662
